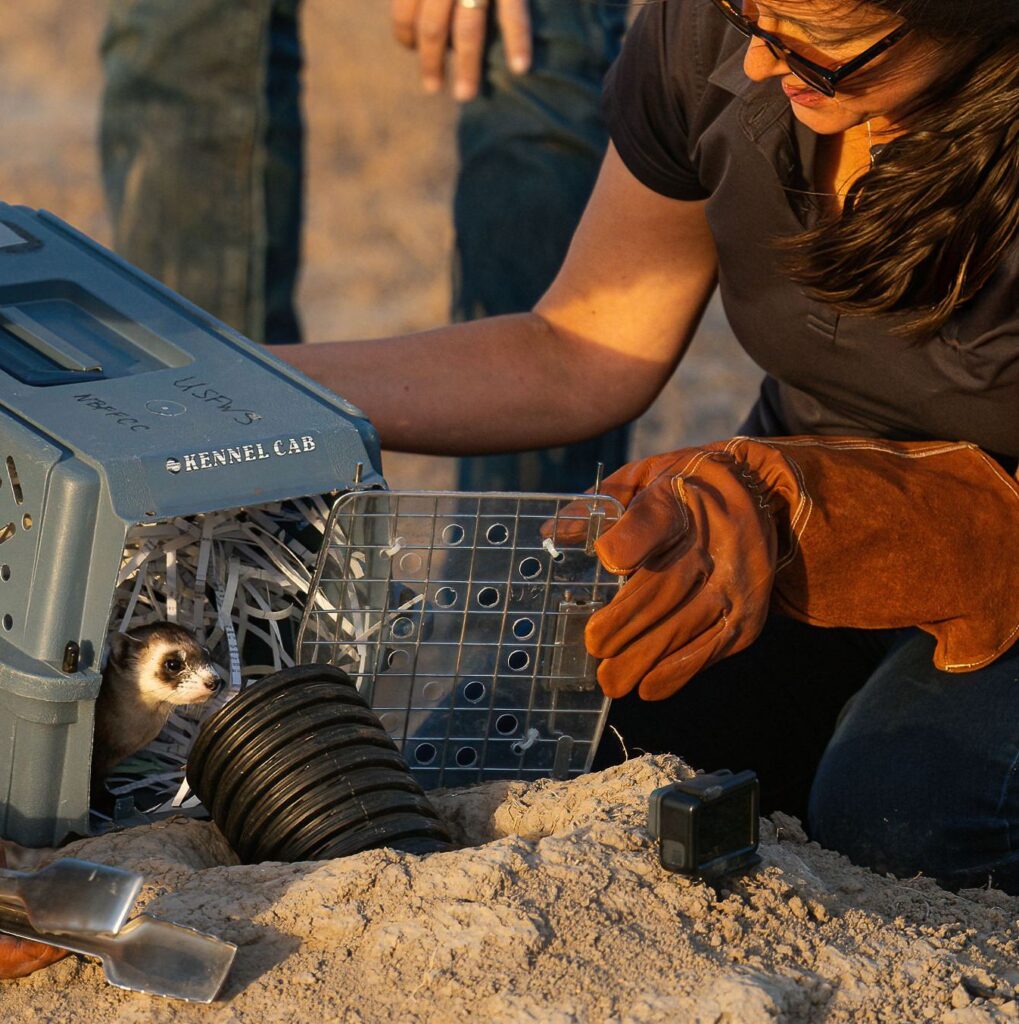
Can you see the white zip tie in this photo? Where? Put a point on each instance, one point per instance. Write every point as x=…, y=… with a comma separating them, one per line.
x=527, y=742
x=394, y=549
x=549, y=545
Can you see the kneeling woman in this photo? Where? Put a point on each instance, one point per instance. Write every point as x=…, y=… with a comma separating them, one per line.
x=837, y=614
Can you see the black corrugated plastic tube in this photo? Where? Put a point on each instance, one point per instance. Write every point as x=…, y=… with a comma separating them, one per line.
x=298, y=767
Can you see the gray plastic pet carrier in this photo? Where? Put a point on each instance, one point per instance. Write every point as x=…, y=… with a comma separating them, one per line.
x=153, y=464
x=156, y=465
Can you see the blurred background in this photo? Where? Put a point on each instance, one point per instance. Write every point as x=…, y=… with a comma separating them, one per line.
x=380, y=164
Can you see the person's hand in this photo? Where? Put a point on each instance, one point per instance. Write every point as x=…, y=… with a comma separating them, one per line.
x=853, y=532
x=433, y=26
x=20, y=957
x=698, y=546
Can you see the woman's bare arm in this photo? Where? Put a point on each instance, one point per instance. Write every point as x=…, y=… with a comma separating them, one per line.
x=594, y=353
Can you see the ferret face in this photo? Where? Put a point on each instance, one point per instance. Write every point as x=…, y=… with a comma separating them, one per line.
x=164, y=664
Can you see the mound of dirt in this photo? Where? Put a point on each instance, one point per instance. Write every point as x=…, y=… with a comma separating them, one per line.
x=555, y=910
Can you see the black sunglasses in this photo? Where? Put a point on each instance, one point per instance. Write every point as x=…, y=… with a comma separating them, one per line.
x=824, y=80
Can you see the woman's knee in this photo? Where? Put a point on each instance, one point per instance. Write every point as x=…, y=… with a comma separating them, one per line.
x=921, y=774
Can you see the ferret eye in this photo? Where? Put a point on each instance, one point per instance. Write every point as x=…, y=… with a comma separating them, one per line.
x=173, y=665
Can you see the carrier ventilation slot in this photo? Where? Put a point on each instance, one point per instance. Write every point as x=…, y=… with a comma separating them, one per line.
x=12, y=472
x=6, y=532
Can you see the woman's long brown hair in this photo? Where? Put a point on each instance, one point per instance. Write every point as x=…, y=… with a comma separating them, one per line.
x=928, y=225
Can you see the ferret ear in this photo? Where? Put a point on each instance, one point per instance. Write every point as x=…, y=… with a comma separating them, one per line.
x=121, y=647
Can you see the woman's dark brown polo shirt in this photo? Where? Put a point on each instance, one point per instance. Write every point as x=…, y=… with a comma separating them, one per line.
x=690, y=125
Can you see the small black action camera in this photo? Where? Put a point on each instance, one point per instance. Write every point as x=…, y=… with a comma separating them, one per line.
x=707, y=826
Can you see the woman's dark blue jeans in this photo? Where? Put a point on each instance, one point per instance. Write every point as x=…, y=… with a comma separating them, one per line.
x=902, y=767
x=920, y=773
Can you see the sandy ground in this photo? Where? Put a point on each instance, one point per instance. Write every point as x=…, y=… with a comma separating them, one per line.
x=555, y=909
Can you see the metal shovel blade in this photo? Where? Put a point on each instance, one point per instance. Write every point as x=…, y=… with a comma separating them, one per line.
x=146, y=955
x=72, y=895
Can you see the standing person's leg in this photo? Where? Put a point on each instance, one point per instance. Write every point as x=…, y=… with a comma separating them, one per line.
x=922, y=773
x=284, y=175
x=530, y=147
x=201, y=151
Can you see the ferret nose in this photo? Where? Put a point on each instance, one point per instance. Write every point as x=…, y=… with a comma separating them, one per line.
x=213, y=684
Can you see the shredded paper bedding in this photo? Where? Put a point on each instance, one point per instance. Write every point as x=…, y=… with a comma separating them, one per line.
x=239, y=580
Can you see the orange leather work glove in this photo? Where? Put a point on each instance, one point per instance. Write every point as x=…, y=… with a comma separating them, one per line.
x=831, y=531
x=20, y=957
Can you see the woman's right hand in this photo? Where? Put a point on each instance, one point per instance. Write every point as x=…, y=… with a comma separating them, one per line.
x=698, y=544
x=861, y=533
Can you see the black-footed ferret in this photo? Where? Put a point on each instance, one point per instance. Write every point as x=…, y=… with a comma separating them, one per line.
x=150, y=671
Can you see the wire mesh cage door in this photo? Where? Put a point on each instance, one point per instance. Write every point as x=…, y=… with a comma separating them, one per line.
x=463, y=623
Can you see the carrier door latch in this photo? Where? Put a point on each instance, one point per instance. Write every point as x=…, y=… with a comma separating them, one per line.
x=571, y=668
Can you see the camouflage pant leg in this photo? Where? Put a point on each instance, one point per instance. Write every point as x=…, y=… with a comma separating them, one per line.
x=201, y=152
x=530, y=147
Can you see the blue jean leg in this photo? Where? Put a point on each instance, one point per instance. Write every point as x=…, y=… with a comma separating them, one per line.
x=530, y=147
x=921, y=772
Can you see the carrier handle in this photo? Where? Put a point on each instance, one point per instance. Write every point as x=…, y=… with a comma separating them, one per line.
x=39, y=337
